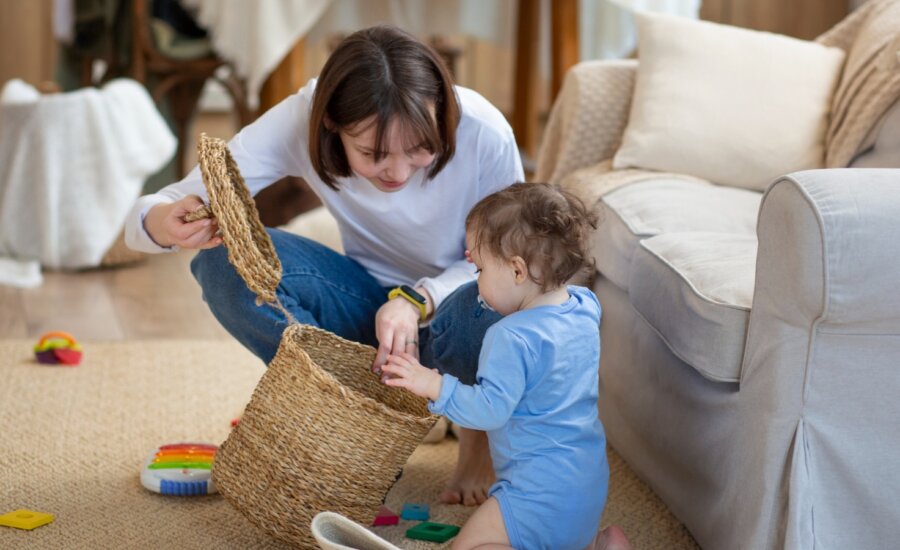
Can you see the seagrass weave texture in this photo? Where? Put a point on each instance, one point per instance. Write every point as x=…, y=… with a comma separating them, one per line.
x=321, y=432
x=250, y=250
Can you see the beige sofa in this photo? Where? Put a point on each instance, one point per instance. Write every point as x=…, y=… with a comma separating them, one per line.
x=750, y=361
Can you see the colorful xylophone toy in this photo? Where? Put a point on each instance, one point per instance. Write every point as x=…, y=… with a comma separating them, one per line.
x=182, y=469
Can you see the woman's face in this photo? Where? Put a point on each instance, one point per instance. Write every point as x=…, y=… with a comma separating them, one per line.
x=391, y=173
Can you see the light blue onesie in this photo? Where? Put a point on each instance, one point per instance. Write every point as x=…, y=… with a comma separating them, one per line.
x=536, y=397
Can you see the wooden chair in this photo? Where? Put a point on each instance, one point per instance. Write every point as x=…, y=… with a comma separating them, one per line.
x=180, y=81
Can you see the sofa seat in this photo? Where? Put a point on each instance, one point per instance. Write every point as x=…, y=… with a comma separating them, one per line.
x=654, y=207
x=697, y=283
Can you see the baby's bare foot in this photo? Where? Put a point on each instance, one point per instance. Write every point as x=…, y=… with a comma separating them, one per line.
x=611, y=538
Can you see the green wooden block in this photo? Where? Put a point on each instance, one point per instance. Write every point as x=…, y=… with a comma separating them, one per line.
x=435, y=532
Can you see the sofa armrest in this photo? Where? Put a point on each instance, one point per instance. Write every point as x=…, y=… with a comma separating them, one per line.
x=829, y=250
x=821, y=368
x=587, y=119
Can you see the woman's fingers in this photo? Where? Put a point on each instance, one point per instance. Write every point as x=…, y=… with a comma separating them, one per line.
x=385, y=337
x=184, y=231
x=198, y=238
x=197, y=234
x=212, y=243
x=193, y=202
x=187, y=204
x=402, y=342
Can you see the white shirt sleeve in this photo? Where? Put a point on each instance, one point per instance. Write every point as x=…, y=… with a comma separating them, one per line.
x=441, y=286
x=500, y=167
x=270, y=148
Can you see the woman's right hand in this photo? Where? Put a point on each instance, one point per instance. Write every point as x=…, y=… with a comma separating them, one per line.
x=166, y=226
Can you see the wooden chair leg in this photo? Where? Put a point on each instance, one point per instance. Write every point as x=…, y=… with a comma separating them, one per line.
x=236, y=89
x=183, y=99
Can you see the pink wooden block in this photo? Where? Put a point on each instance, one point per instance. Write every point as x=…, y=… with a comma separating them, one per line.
x=386, y=516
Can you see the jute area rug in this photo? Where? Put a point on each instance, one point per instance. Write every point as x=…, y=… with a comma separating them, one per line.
x=72, y=441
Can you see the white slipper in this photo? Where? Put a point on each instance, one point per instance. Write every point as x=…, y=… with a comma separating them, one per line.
x=335, y=532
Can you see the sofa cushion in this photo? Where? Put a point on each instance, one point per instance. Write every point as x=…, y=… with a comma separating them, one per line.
x=695, y=289
x=734, y=106
x=649, y=208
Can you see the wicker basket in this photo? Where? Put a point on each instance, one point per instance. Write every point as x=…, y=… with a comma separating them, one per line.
x=321, y=432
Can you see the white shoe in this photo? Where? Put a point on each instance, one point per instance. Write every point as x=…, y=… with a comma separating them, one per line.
x=335, y=532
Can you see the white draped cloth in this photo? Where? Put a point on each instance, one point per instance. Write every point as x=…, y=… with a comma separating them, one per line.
x=255, y=35
x=71, y=166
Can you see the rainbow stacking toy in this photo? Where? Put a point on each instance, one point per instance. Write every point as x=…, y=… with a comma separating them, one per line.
x=58, y=348
x=182, y=469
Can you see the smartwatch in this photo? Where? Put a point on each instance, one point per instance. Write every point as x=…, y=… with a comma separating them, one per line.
x=413, y=297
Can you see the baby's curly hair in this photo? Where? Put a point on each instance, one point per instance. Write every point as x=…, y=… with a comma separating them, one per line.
x=544, y=224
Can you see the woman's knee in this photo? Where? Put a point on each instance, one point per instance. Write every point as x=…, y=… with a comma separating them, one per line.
x=453, y=338
x=213, y=271
x=457, y=306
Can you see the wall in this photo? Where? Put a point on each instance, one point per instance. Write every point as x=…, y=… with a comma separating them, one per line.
x=800, y=18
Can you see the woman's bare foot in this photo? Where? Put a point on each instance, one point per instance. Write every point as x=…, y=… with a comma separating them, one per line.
x=438, y=431
x=474, y=473
x=611, y=538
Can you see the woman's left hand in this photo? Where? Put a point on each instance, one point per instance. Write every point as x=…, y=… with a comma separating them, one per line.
x=397, y=330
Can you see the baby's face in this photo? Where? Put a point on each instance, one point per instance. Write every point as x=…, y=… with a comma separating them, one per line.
x=496, y=279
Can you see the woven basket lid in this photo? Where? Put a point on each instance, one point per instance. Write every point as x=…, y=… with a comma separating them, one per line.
x=250, y=249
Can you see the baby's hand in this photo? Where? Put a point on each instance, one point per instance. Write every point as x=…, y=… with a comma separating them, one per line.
x=405, y=371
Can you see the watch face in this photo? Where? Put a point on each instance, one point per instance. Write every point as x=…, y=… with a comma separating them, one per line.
x=412, y=293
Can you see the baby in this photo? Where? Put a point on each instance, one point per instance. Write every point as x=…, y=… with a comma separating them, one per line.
x=536, y=387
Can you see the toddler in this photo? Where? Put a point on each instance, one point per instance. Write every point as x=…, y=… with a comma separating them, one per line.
x=536, y=386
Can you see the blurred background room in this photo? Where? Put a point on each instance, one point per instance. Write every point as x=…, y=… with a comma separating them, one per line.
x=104, y=100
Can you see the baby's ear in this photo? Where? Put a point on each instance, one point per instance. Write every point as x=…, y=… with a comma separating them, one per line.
x=520, y=268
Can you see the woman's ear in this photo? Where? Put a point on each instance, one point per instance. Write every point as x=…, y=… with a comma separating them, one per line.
x=520, y=269
x=329, y=124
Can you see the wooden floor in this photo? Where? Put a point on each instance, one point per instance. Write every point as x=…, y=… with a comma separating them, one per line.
x=157, y=298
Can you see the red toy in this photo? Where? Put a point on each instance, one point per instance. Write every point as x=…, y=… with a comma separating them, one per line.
x=386, y=516
x=58, y=348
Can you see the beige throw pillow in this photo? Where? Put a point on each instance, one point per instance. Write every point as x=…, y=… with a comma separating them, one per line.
x=730, y=105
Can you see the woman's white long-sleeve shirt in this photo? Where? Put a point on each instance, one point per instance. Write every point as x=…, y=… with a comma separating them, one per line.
x=414, y=236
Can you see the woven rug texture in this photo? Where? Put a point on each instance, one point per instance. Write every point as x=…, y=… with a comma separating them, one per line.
x=72, y=442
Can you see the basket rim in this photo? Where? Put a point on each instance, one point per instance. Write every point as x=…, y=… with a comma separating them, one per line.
x=363, y=399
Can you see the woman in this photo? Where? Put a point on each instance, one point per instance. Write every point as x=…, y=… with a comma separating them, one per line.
x=398, y=155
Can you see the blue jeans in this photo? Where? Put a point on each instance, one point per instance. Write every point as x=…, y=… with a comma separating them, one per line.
x=323, y=288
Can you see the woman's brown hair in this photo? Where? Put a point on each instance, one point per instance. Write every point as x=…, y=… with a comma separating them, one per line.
x=386, y=73
x=546, y=226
